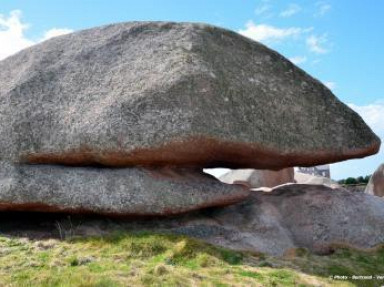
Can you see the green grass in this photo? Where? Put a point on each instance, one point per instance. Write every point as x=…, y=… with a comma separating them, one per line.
x=145, y=259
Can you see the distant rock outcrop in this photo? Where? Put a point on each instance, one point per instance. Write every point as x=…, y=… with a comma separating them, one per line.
x=375, y=185
x=304, y=178
x=256, y=178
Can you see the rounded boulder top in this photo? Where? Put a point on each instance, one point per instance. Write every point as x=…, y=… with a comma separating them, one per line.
x=162, y=93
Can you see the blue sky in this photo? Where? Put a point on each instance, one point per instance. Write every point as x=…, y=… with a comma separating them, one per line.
x=340, y=42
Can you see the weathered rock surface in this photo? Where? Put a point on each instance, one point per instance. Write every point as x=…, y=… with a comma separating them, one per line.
x=125, y=191
x=311, y=216
x=355, y=188
x=255, y=178
x=293, y=215
x=158, y=93
x=375, y=185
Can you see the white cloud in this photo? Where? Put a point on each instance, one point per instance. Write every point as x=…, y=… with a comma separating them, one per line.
x=322, y=8
x=298, y=59
x=12, y=37
x=373, y=115
x=330, y=85
x=54, y=32
x=262, y=9
x=268, y=33
x=317, y=44
x=291, y=10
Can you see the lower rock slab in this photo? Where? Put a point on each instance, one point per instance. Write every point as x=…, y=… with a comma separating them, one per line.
x=114, y=191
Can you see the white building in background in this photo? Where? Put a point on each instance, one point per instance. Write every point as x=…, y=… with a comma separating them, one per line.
x=320, y=170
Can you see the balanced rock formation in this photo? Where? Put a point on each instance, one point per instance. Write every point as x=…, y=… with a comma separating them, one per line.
x=256, y=178
x=375, y=185
x=125, y=191
x=108, y=101
x=161, y=93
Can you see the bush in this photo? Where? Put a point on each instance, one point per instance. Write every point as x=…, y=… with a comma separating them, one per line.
x=351, y=180
x=357, y=180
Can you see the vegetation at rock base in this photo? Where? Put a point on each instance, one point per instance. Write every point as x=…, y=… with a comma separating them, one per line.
x=147, y=259
x=353, y=180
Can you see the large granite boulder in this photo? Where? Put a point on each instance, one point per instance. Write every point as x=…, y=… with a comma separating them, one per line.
x=375, y=185
x=160, y=93
x=124, y=191
x=256, y=178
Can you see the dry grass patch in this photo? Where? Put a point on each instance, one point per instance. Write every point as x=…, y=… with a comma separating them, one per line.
x=145, y=259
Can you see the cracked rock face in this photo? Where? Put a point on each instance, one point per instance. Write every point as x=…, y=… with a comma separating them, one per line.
x=160, y=93
x=82, y=114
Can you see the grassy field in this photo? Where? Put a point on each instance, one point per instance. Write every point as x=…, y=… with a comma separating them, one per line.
x=129, y=259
